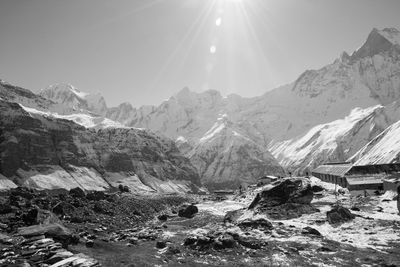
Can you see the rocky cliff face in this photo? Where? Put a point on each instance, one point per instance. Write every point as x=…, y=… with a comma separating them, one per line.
x=46, y=152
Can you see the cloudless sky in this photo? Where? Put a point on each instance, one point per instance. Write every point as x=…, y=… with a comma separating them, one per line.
x=144, y=51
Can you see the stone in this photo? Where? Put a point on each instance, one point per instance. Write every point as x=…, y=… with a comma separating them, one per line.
x=172, y=250
x=163, y=217
x=133, y=241
x=5, y=208
x=190, y=241
x=339, y=214
x=161, y=244
x=233, y=216
x=89, y=243
x=225, y=241
x=51, y=230
x=285, y=199
x=5, y=239
x=311, y=231
x=317, y=188
x=251, y=242
x=96, y=195
x=188, y=211
x=290, y=190
x=77, y=192
x=256, y=223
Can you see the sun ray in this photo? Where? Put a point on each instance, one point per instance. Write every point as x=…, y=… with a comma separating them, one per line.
x=193, y=32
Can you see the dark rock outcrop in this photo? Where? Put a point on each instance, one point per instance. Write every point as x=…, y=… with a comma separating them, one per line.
x=339, y=214
x=285, y=199
x=188, y=211
x=291, y=190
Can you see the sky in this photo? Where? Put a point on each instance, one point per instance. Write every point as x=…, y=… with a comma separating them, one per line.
x=144, y=51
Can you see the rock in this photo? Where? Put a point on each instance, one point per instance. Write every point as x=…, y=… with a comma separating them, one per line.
x=251, y=242
x=256, y=223
x=5, y=239
x=339, y=214
x=310, y=231
x=77, y=192
x=5, y=208
x=52, y=230
x=317, y=188
x=163, y=217
x=89, y=243
x=172, y=250
x=191, y=240
x=96, y=195
x=123, y=188
x=133, y=241
x=224, y=241
x=29, y=218
x=103, y=206
x=59, y=256
x=188, y=211
x=290, y=190
x=46, y=217
x=355, y=208
x=21, y=192
x=233, y=216
x=161, y=244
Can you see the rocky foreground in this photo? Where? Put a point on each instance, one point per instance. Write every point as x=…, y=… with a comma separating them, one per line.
x=295, y=222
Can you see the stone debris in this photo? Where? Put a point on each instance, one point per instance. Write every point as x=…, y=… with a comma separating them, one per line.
x=37, y=250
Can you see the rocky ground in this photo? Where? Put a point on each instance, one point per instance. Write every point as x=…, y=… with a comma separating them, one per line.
x=294, y=223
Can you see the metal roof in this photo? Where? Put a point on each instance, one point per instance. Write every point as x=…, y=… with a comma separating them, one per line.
x=336, y=169
x=364, y=180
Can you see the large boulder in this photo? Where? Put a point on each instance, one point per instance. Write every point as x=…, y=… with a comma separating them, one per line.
x=339, y=214
x=77, y=192
x=187, y=211
x=290, y=190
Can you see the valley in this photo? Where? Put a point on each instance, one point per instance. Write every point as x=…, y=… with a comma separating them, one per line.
x=183, y=183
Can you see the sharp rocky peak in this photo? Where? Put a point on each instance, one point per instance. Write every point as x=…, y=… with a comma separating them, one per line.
x=377, y=42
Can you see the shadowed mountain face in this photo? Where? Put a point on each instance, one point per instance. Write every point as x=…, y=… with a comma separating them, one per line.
x=46, y=152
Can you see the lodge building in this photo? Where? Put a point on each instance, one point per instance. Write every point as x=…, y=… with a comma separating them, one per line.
x=357, y=177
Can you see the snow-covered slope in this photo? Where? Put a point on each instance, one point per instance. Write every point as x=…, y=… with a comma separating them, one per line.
x=226, y=157
x=331, y=142
x=384, y=148
x=86, y=120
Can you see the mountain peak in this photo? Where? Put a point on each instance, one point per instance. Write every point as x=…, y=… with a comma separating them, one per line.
x=378, y=41
x=70, y=96
x=63, y=87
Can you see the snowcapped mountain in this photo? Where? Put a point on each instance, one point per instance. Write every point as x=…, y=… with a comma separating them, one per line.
x=71, y=97
x=46, y=150
x=326, y=114
x=12, y=93
x=371, y=74
x=225, y=157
